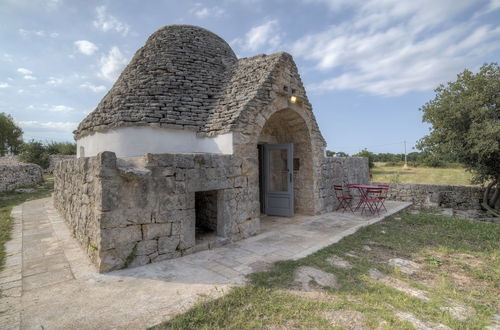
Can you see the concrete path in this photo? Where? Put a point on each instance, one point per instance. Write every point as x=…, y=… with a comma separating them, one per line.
x=49, y=283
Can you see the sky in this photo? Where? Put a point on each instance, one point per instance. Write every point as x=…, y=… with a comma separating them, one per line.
x=368, y=66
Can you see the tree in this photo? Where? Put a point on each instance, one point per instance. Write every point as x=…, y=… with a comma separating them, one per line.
x=34, y=152
x=367, y=154
x=10, y=135
x=465, y=119
x=37, y=152
x=61, y=148
x=330, y=153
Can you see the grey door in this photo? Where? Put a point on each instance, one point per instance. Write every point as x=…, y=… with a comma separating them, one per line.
x=278, y=176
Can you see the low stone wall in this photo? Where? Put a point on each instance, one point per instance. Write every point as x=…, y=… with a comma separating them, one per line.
x=456, y=197
x=54, y=159
x=9, y=160
x=341, y=171
x=130, y=212
x=19, y=175
x=78, y=196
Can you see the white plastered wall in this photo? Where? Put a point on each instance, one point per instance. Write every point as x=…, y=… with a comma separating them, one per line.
x=137, y=141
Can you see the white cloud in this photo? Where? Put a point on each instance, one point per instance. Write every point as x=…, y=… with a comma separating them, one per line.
x=392, y=47
x=266, y=36
x=94, y=88
x=202, y=12
x=492, y=6
x=106, y=22
x=7, y=57
x=37, y=33
x=61, y=126
x=29, y=77
x=86, y=47
x=53, y=81
x=24, y=71
x=112, y=64
x=4, y=85
x=61, y=108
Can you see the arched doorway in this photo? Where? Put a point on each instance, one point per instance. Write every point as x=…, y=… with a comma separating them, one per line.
x=286, y=162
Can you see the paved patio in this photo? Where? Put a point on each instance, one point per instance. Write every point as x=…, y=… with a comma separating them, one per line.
x=49, y=283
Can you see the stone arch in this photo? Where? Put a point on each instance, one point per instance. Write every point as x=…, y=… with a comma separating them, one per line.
x=288, y=126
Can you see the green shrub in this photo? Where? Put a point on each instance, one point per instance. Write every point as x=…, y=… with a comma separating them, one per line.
x=61, y=148
x=34, y=152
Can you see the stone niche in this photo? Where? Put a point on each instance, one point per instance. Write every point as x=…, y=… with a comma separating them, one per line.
x=207, y=218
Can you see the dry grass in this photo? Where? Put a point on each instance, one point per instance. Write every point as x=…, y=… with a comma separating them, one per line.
x=429, y=175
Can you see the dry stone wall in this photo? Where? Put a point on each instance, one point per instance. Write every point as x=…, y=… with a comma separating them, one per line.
x=78, y=196
x=340, y=171
x=448, y=196
x=142, y=209
x=54, y=159
x=9, y=160
x=19, y=175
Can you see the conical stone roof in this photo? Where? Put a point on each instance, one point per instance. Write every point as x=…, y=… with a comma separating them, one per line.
x=173, y=81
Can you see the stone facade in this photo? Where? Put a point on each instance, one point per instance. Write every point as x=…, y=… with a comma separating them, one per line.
x=128, y=212
x=19, y=175
x=447, y=196
x=133, y=211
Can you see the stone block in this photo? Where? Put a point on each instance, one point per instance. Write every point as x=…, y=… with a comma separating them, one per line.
x=184, y=161
x=156, y=230
x=168, y=244
x=188, y=231
x=240, y=182
x=147, y=247
x=113, y=237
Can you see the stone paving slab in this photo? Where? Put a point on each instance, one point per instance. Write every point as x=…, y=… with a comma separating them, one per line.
x=49, y=283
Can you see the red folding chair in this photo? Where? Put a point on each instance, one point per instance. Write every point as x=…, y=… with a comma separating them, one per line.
x=357, y=194
x=371, y=199
x=383, y=195
x=344, y=199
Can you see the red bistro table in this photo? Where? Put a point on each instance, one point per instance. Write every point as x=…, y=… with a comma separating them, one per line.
x=362, y=188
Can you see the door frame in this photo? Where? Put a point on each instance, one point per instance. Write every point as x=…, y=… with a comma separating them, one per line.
x=281, y=196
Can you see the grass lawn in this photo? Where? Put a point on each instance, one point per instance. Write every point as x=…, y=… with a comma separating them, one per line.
x=10, y=199
x=431, y=175
x=455, y=282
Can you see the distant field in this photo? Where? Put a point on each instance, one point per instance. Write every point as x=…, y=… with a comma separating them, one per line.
x=451, y=176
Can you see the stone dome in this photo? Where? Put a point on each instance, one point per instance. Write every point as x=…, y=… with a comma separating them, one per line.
x=173, y=81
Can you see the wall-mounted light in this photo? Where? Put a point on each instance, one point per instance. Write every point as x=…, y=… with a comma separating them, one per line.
x=293, y=99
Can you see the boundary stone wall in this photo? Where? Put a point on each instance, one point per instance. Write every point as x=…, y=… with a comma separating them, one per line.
x=447, y=196
x=54, y=159
x=340, y=171
x=10, y=160
x=19, y=175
